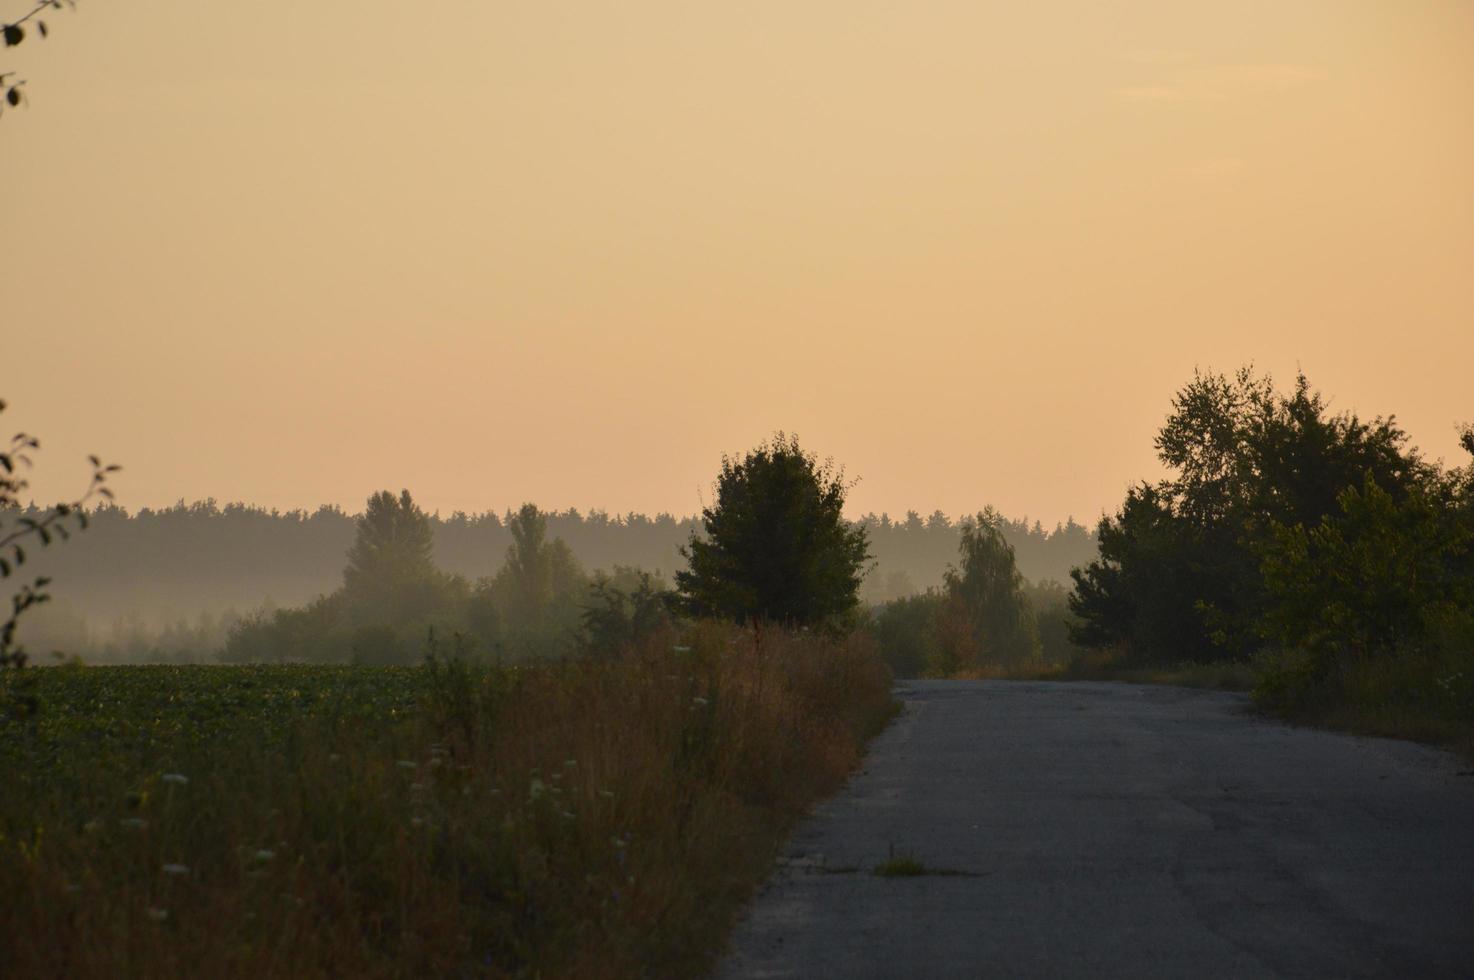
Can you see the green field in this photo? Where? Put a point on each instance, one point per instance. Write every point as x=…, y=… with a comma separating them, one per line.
x=589, y=819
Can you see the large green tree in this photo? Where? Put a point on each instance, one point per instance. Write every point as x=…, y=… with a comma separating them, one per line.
x=1179, y=575
x=776, y=546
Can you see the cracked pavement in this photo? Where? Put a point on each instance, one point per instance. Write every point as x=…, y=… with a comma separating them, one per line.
x=1115, y=830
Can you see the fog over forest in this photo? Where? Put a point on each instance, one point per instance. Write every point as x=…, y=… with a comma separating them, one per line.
x=191, y=568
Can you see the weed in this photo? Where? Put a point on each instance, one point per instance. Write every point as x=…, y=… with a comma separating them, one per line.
x=901, y=864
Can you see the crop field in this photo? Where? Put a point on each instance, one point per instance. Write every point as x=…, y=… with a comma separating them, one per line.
x=598, y=819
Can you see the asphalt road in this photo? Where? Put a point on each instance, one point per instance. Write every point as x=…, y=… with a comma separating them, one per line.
x=1113, y=830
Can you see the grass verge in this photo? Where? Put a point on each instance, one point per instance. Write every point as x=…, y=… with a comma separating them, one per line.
x=1110, y=667
x=1423, y=697
x=600, y=820
x=1420, y=695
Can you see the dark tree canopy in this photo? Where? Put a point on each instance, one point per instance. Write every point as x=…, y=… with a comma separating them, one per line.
x=777, y=547
x=1179, y=572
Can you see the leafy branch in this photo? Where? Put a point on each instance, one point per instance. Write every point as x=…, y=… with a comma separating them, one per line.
x=13, y=33
x=52, y=524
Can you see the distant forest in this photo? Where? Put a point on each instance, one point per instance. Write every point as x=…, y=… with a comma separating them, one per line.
x=160, y=567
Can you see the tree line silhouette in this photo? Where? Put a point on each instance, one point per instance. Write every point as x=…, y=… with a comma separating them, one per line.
x=170, y=580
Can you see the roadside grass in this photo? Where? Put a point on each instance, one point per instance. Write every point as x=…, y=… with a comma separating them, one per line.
x=1211, y=676
x=1093, y=666
x=579, y=819
x=1422, y=697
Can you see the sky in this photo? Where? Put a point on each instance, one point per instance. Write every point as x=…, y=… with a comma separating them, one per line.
x=573, y=253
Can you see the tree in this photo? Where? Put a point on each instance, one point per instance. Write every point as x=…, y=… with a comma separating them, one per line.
x=391, y=575
x=532, y=605
x=1178, y=575
x=776, y=546
x=537, y=570
x=1142, y=594
x=1363, y=582
x=985, y=593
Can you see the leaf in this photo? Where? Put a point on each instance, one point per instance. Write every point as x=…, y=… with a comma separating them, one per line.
x=13, y=96
x=20, y=555
x=41, y=26
x=4, y=568
x=13, y=36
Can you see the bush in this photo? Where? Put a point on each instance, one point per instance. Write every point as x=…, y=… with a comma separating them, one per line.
x=906, y=630
x=1051, y=605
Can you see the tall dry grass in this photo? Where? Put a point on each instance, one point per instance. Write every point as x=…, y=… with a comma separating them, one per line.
x=581, y=819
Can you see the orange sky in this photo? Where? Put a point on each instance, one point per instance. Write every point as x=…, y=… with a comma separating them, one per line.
x=571, y=253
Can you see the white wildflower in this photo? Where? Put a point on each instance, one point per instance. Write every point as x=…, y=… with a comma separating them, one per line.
x=177, y=870
x=158, y=915
x=178, y=778
x=407, y=764
x=264, y=855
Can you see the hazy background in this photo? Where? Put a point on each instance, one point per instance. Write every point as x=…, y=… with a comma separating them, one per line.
x=571, y=253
